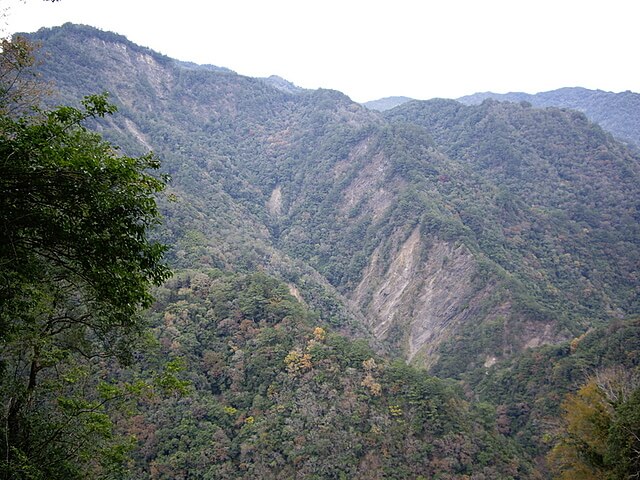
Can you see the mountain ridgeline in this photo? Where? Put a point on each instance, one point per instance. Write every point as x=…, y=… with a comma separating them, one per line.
x=618, y=113
x=499, y=225
x=452, y=237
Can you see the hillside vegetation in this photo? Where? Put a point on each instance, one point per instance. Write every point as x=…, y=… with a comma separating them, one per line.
x=277, y=396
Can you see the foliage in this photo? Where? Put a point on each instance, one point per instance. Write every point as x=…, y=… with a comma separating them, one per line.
x=75, y=218
x=275, y=395
x=20, y=88
x=311, y=188
x=601, y=435
x=528, y=391
x=76, y=270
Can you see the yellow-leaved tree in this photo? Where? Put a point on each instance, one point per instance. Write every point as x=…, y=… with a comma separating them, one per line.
x=600, y=438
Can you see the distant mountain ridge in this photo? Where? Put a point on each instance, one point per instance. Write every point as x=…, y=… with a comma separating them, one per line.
x=386, y=103
x=618, y=113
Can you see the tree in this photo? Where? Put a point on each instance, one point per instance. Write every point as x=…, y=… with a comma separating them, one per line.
x=601, y=435
x=76, y=269
x=20, y=87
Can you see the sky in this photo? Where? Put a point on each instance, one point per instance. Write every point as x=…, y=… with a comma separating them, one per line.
x=370, y=49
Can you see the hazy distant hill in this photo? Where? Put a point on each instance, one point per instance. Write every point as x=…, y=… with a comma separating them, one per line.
x=618, y=113
x=386, y=103
x=282, y=84
x=454, y=237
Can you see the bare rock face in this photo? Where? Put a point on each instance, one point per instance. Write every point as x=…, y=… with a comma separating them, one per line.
x=274, y=204
x=417, y=299
x=426, y=291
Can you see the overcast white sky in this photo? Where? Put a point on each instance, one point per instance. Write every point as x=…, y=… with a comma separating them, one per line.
x=371, y=49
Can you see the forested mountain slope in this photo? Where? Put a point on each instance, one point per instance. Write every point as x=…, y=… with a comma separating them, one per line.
x=277, y=396
x=564, y=200
x=619, y=113
x=439, y=226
